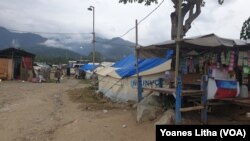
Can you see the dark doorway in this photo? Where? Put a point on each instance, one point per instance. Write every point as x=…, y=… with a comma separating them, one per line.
x=17, y=68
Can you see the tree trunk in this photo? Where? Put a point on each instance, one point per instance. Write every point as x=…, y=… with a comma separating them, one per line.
x=187, y=6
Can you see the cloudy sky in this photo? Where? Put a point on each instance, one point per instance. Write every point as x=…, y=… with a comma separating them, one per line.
x=114, y=19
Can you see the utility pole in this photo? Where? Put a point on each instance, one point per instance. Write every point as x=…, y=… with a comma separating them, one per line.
x=178, y=84
x=139, y=86
x=92, y=8
x=177, y=40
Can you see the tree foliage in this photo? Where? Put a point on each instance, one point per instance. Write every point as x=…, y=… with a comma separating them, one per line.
x=148, y=2
x=245, y=31
x=190, y=10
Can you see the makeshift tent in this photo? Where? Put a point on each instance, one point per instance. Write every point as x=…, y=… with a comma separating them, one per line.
x=145, y=65
x=88, y=69
x=119, y=82
x=200, y=43
x=125, y=62
x=106, y=64
x=219, y=50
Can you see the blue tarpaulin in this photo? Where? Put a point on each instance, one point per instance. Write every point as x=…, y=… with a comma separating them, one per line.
x=88, y=67
x=125, y=61
x=127, y=66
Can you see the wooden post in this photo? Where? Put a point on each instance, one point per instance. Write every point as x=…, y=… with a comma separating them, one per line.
x=178, y=81
x=248, y=80
x=163, y=95
x=13, y=68
x=160, y=82
x=204, y=99
x=177, y=40
x=139, y=85
x=178, y=101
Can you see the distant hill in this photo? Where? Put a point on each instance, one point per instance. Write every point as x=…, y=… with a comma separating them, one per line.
x=110, y=49
x=8, y=38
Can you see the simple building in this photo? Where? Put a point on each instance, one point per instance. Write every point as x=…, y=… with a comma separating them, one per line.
x=16, y=64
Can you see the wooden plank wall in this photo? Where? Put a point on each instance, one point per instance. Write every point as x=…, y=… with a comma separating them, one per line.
x=6, y=71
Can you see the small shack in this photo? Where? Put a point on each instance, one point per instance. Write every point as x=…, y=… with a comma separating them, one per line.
x=16, y=64
x=218, y=67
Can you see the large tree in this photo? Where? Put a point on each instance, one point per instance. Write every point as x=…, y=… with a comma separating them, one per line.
x=245, y=31
x=191, y=9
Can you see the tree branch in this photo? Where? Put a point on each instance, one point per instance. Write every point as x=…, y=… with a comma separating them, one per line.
x=192, y=16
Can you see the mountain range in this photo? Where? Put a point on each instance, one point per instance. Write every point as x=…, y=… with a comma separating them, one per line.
x=44, y=47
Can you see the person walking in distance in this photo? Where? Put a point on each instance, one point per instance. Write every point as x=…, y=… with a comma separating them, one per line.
x=58, y=75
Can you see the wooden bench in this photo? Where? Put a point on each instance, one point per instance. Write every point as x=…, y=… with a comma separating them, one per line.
x=185, y=93
x=172, y=91
x=238, y=101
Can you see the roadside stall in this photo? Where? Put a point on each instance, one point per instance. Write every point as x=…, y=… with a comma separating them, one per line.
x=217, y=67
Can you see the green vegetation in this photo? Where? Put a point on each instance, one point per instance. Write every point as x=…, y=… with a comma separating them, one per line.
x=53, y=60
x=245, y=31
x=92, y=101
x=59, y=57
x=84, y=81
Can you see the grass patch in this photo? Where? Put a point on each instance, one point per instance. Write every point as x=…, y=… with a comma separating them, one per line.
x=84, y=81
x=86, y=95
x=50, y=81
x=92, y=101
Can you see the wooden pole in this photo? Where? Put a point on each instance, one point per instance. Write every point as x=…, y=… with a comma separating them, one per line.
x=177, y=77
x=139, y=87
x=177, y=40
x=13, y=68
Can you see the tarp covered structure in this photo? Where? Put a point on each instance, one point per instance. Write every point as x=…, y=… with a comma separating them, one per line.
x=119, y=82
x=200, y=43
x=125, y=61
x=88, y=67
x=144, y=65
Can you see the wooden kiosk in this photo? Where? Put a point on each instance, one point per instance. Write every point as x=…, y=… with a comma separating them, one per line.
x=209, y=52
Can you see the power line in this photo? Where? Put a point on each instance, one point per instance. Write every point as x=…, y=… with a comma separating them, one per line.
x=150, y=12
x=140, y=21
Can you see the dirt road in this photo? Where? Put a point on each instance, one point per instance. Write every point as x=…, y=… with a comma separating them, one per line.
x=44, y=112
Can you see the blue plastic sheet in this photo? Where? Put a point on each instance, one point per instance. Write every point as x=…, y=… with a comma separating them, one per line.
x=87, y=67
x=127, y=66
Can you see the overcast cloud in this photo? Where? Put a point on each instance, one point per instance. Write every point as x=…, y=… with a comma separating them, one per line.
x=113, y=19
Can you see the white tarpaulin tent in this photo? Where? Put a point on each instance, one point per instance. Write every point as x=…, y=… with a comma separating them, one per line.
x=120, y=83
